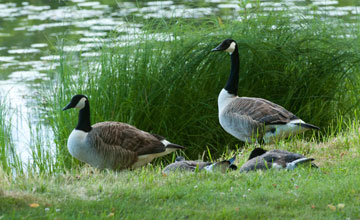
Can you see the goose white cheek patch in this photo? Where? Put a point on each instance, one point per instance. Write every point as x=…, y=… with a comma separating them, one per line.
x=81, y=103
x=231, y=48
x=165, y=142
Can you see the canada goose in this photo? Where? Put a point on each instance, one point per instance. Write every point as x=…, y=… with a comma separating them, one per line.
x=252, y=119
x=188, y=165
x=261, y=159
x=113, y=145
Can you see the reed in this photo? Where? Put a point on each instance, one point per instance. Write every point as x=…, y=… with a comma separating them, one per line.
x=9, y=159
x=36, y=156
x=5, y=134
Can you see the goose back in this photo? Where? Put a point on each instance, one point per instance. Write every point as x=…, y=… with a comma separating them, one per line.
x=251, y=119
x=259, y=110
x=271, y=159
x=125, y=136
x=119, y=145
x=186, y=165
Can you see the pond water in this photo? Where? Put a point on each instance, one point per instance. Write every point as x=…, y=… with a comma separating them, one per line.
x=30, y=32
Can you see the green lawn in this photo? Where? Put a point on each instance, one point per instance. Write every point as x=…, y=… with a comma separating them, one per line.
x=330, y=192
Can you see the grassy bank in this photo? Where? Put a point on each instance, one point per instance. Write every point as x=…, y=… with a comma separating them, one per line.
x=330, y=192
x=170, y=86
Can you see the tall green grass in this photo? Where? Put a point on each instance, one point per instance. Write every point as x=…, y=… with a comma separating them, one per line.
x=36, y=156
x=42, y=151
x=5, y=135
x=170, y=86
x=9, y=160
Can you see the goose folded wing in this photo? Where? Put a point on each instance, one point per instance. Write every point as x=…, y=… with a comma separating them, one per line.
x=186, y=166
x=284, y=155
x=241, y=123
x=123, y=136
x=195, y=164
x=262, y=111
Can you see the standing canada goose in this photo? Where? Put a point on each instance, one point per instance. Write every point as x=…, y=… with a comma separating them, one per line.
x=261, y=159
x=113, y=145
x=188, y=165
x=253, y=119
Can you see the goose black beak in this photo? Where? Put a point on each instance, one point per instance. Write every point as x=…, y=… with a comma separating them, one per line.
x=219, y=47
x=67, y=107
x=216, y=49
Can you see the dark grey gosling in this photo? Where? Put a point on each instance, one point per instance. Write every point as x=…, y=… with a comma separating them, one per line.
x=253, y=119
x=113, y=145
x=190, y=166
x=261, y=159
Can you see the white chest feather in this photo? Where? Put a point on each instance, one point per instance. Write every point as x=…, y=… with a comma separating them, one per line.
x=224, y=99
x=80, y=149
x=76, y=142
x=231, y=125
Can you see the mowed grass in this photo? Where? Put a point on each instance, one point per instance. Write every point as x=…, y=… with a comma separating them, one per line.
x=330, y=192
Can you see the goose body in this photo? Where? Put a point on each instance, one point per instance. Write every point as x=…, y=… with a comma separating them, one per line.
x=261, y=159
x=113, y=145
x=252, y=119
x=190, y=166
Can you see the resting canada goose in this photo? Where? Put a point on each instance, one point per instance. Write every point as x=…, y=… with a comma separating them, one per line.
x=188, y=165
x=252, y=119
x=113, y=145
x=261, y=159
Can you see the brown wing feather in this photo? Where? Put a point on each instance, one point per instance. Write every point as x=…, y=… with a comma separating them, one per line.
x=121, y=136
x=261, y=110
x=117, y=158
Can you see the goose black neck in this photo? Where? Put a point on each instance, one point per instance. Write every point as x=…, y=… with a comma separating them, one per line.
x=233, y=81
x=84, y=119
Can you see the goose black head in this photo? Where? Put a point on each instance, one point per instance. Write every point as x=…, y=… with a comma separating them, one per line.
x=77, y=101
x=227, y=45
x=256, y=152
